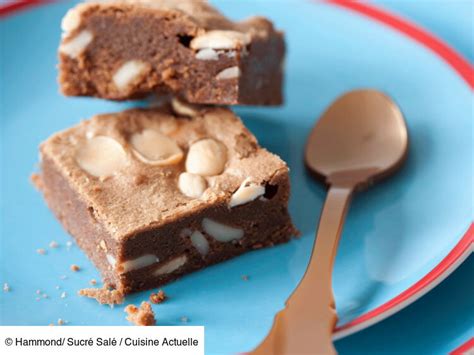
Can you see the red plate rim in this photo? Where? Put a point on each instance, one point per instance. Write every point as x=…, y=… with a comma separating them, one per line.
x=465, y=70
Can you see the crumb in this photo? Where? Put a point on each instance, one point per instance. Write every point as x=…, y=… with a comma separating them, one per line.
x=53, y=244
x=6, y=287
x=97, y=189
x=158, y=297
x=140, y=316
x=64, y=294
x=75, y=268
x=41, y=251
x=93, y=282
x=61, y=322
x=37, y=181
x=63, y=277
x=44, y=295
x=103, y=295
x=245, y=277
x=140, y=179
x=184, y=319
x=38, y=292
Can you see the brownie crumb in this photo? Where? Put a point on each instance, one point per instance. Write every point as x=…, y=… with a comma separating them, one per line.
x=140, y=316
x=103, y=295
x=6, y=287
x=75, y=268
x=140, y=179
x=41, y=251
x=37, y=181
x=97, y=189
x=61, y=321
x=93, y=282
x=53, y=244
x=158, y=297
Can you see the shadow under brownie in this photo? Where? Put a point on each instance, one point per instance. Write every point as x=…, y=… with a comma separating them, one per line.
x=152, y=194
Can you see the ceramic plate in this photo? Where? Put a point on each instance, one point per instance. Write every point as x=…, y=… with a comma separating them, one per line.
x=401, y=237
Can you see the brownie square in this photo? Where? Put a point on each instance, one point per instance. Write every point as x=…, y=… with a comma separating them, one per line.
x=123, y=50
x=152, y=194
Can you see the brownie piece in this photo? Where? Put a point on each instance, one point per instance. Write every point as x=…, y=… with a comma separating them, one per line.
x=123, y=50
x=152, y=194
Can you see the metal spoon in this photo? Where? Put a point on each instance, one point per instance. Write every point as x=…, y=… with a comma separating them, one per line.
x=361, y=138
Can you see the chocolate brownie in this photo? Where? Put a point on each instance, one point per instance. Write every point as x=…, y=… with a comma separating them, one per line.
x=123, y=50
x=152, y=194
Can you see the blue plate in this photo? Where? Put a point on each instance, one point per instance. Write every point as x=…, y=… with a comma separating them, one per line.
x=396, y=233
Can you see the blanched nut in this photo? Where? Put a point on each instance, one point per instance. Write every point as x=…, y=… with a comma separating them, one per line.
x=101, y=156
x=71, y=20
x=218, y=39
x=171, y=266
x=76, y=45
x=112, y=261
x=228, y=73
x=153, y=147
x=129, y=74
x=207, y=54
x=138, y=263
x=206, y=157
x=198, y=240
x=221, y=232
x=183, y=108
x=248, y=191
x=192, y=185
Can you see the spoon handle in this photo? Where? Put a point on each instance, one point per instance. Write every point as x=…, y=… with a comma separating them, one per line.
x=314, y=294
x=306, y=323
x=327, y=238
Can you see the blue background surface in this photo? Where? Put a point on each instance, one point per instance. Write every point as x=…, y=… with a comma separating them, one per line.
x=413, y=220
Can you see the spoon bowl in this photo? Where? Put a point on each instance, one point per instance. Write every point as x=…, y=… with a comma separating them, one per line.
x=361, y=136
